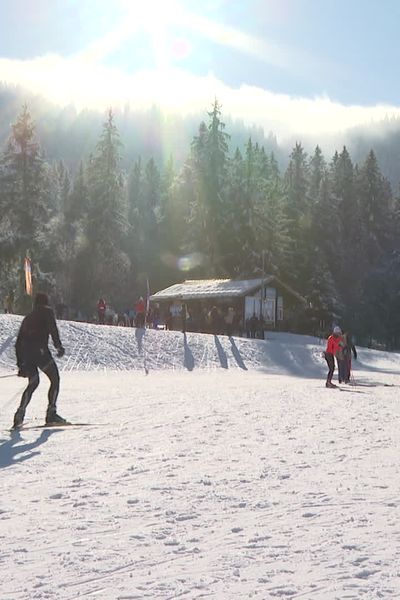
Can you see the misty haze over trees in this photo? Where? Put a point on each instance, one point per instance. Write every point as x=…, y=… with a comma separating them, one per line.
x=102, y=204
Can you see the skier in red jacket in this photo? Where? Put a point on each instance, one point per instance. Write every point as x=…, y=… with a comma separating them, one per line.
x=332, y=348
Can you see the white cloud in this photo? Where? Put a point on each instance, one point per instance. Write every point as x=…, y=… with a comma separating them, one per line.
x=74, y=80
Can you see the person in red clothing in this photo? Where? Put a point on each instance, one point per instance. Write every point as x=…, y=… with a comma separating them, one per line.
x=140, y=309
x=101, y=311
x=332, y=348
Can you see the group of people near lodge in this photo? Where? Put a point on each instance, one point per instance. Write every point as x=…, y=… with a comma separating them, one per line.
x=131, y=317
x=178, y=316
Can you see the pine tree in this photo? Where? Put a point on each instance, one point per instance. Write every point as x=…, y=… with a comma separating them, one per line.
x=349, y=261
x=375, y=209
x=67, y=228
x=175, y=202
x=326, y=304
x=274, y=241
x=24, y=191
x=103, y=266
x=238, y=248
x=324, y=222
x=135, y=192
x=317, y=171
x=395, y=224
x=249, y=208
x=186, y=217
x=296, y=178
x=150, y=217
x=378, y=311
x=263, y=217
x=209, y=162
x=298, y=213
x=76, y=205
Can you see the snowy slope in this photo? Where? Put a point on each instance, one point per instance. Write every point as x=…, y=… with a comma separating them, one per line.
x=227, y=472
x=93, y=347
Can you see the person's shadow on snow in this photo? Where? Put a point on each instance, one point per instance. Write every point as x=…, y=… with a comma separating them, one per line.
x=7, y=343
x=189, y=358
x=236, y=354
x=223, y=359
x=139, y=333
x=11, y=452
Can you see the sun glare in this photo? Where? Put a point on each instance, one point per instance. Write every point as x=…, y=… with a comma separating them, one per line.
x=151, y=13
x=154, y=17
x=166, y=24
x=161, y=32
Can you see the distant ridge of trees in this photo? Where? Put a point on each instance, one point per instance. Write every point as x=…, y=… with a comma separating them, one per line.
x=99, y=214
x=69, y=134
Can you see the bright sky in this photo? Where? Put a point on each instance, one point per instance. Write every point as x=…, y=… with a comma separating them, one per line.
x=291, y=65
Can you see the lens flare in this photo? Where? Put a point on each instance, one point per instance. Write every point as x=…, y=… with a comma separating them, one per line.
x=183, y=263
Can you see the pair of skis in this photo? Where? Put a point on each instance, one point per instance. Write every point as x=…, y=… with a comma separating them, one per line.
x=53, y=426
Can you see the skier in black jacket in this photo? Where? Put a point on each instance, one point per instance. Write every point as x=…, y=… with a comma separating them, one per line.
x=33, y=352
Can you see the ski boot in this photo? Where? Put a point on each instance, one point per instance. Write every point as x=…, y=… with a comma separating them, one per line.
x=18, y=419
x=329, y=384
x=52, y=418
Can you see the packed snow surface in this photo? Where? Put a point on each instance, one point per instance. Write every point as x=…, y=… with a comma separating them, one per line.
x=213, y=467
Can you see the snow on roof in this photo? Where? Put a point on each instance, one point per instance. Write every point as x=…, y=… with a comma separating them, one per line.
x=193, y=289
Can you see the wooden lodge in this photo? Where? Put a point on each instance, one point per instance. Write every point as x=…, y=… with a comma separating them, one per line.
x=270, y=301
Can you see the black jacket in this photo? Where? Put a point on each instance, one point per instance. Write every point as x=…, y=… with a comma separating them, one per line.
x=34, y=332
x=349, y=346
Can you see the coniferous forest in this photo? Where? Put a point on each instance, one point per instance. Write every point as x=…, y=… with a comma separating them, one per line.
x=326, y=225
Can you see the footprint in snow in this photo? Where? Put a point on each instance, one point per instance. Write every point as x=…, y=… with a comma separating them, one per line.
x=288, y=592
x=187, y=517
x=365, y=573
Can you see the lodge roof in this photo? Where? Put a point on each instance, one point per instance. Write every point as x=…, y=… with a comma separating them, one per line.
x=203, y=289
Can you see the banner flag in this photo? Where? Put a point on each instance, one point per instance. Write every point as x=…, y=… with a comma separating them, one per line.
x=28, y=276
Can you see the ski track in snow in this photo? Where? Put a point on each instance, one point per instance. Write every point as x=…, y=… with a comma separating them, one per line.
x=227, y=472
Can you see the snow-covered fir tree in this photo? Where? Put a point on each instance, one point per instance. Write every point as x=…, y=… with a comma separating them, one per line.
x=103, y=264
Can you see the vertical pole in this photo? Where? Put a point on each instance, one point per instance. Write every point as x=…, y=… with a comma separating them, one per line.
x=147, y=305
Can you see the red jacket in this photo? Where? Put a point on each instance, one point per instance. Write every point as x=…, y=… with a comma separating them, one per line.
x=332, y=346
x=140, y=306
